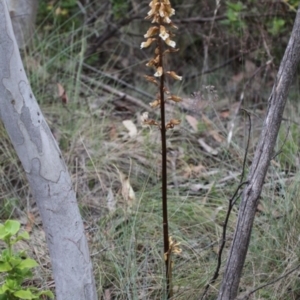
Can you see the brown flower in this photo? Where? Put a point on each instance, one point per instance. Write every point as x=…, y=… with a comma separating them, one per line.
x=174, y=75
x=175, y=98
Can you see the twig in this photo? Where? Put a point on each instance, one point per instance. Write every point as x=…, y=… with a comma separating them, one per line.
x=206, y=43
x=260, y=165
x=285, y=139
x=231, y=203
x=119, y=81
x=222, y=65
x=246, y=297
x=247, y=146
x=224, y=17
x=231, y=125
x=110, y=31
x=115, y=92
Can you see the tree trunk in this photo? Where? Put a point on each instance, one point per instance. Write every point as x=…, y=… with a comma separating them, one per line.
x=46, y=172
x=23, y=15
x=259, y=167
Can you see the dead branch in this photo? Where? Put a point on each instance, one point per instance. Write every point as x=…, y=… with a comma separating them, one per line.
x=231, y=203
x=247, y=296
x=116, y=92
x=224, y=17
x=259, y=167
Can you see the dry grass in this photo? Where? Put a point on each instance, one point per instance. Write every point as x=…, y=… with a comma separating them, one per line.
x=101, y=155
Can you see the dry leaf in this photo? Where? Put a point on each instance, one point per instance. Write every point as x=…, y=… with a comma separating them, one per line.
x=127, y=190
x=128, y=193
x=207, y=148
x=277, y=214
x=260, y=208
x=30, y=222
x=187, y=172
x=107, y=294
x=275, y=163
x=198, y=169
x=250, y=67
x=193, y=122
x=207, y=121
x=216, y=249
x=132, y=130
x=233, y=83
x=225, y=114
x=238, y=77
x=62, y=94
x=216, y=136
x=199, y=186
x=112, y=132
x=111, y=201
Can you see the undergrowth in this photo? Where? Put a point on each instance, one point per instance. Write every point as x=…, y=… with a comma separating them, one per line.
x=103, y=158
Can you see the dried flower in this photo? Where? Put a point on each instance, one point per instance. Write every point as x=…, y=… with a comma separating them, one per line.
x=175, y=98
x=172, y=123
x=155, y=103
x=146, y=121
x=147, y=43
x=174, y=75
x=151, y=79
x=154, y=9
x=166, y=20
x=170, y=43
x=171, y=50
x=174, y=246
x=166, y=90
x=144, y=116
x=151, y=31
x=163, y=33
x=173, y=25
x=159, y=72
x=162, y=10
x=153, y=62
x=169, y=10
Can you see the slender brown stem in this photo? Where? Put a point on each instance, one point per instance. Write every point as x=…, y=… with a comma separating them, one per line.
x=164, y=169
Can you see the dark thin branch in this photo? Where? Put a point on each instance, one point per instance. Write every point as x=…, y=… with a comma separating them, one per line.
x=269, y=283
x=281, y=148
x=119, y=81
x=222, y=65
x=260, y=164
x=115, y=92
x=109, y=32
x=247, y=147
x=231, y=203
x=225, y=17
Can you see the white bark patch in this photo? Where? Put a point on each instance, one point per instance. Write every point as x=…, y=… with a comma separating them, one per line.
x=48, y=155
x=31, y=103
x=13, y=87
x=23, y=15
x=30, y=134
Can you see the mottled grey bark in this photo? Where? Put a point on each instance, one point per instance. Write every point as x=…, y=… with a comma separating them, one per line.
x=259, y=167
x=46, y=172
x=23, y=15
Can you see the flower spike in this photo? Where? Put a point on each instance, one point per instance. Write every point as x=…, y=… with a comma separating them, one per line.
x=161, y=35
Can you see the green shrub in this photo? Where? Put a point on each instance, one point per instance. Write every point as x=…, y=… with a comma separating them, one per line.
x=16, y=266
